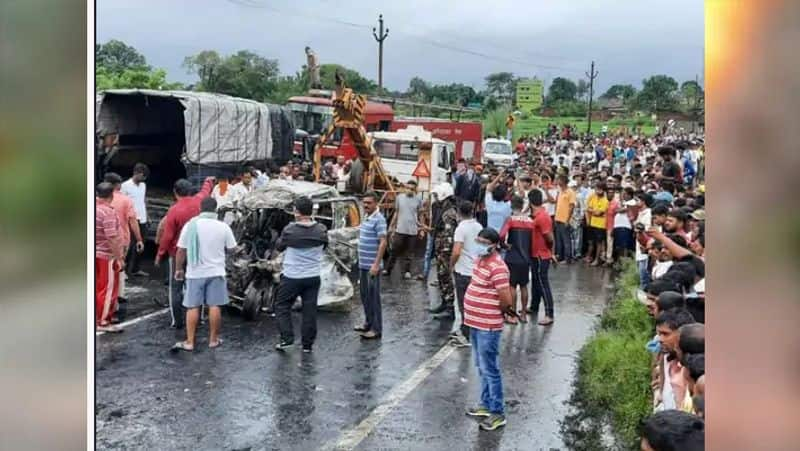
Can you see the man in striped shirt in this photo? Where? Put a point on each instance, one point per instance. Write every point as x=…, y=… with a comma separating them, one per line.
x=109, y=258
x=488, y=297
x=371, y=246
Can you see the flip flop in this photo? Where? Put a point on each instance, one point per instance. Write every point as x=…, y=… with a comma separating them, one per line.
x=181, y=346
x=212, y=346
x=522, y=317
x=545, y=322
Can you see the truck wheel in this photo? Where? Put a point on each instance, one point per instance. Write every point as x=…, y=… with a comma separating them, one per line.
x=356, y=178
x=251, y=303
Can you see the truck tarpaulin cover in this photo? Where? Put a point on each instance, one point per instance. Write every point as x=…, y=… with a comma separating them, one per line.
x=218, y=128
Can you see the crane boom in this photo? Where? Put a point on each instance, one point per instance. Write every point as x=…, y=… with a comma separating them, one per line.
x=348, y=115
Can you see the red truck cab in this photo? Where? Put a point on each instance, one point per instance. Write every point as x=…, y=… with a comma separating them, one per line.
x=314, y=113
x=466, y=136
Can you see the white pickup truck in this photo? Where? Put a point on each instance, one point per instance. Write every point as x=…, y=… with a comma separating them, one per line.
x=498, y=151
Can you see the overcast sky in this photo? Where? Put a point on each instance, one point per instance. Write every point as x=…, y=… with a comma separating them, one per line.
x=441, y=41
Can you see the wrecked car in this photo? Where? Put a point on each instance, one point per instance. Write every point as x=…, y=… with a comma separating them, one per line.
x=254, y=266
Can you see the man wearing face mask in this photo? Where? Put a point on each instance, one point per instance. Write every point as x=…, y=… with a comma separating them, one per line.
x=487, y=298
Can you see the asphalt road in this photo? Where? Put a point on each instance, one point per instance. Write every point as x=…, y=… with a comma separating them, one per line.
x=407, y=391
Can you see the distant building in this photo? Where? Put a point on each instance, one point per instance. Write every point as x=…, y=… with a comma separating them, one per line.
x=530, y=93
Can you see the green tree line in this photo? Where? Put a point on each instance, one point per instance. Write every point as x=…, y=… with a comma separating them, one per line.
x=249, y=75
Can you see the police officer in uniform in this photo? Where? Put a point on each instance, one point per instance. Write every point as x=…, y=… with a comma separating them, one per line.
x=445, y=220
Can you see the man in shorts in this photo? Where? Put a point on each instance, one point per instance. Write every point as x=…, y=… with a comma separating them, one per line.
x=201, y=248
x=517, y=233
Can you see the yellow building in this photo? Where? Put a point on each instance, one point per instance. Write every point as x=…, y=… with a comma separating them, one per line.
x=530, y=93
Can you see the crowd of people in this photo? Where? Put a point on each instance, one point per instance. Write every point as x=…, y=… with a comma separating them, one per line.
x=492, y=232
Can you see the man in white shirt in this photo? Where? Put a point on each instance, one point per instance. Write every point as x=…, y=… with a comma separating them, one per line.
x=462, y=260
x=643, y=222
x=136, y=189
x=201, y=248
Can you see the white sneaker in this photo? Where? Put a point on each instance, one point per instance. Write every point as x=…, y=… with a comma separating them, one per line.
x=407, y=275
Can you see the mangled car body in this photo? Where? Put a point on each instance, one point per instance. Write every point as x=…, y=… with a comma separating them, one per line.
x=254, y=267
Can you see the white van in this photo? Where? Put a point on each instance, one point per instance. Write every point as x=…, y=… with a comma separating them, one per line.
x=399, y=153
x=498, y=151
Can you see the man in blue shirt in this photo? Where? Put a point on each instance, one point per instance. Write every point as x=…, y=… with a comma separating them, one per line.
x=303, y=241
x=371, y=247
x=498, y=209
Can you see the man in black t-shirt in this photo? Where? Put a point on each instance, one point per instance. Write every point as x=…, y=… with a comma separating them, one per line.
x=670, y=170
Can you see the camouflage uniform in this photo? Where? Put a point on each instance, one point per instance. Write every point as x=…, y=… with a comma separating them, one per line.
x=444, y=226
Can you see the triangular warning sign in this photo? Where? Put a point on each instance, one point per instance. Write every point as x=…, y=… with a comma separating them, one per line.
x=421, y=170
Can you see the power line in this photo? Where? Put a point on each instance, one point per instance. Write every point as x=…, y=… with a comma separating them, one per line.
x=434, y=43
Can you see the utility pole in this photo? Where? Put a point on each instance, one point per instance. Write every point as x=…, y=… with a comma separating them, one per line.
x=592, y=74
x=380, y=37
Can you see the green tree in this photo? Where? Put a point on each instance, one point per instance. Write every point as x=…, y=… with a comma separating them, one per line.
x=561, y=89
x=582, y=89
x=502, y=86
x=627, y=92
x=133, y=79
x=692, y=95
x=659, y=93
x=205, y=65
x=117, y=57
x=353, y=79
x=243, y=74
x=418, y=89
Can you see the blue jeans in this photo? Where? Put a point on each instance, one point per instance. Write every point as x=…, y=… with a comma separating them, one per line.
x=644, y=273
x=426, y=264
x=485, y=348
x=577, y=243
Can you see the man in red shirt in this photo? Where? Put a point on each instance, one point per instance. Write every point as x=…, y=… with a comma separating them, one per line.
x=109, y=259
x=487, y=298
x=542, y=253
x=185, y=208
x=126, y=213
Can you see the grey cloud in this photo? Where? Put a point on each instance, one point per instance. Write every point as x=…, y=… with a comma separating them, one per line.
x=629, y=40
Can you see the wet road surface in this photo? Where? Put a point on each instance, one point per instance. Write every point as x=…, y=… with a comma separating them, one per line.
x=407, y=391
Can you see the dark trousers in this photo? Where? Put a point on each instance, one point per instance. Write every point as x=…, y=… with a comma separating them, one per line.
x=371, y=300
x=288, y=290
x=132, y=259
x=402, y=249
x=462, y=282
x=563, y=241
x=541, y=286
x=176, y=309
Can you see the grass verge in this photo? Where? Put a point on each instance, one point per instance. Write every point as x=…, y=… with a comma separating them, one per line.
x=612, y=387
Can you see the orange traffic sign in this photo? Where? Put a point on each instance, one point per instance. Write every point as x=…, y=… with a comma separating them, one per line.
x=422, y=169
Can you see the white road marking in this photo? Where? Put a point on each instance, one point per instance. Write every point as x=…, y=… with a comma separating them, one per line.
x=352, y=437
x=136, y=320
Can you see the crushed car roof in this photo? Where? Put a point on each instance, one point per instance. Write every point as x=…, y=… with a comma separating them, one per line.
x=280, y=193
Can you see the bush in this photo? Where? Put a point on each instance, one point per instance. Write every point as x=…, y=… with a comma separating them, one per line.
x=613, y=383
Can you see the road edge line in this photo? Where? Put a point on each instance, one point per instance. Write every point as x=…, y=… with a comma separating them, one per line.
x=136, y=320
x=351, y=438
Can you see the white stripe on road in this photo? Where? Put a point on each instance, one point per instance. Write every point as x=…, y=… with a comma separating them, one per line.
x=136, y=320
x=351, y=438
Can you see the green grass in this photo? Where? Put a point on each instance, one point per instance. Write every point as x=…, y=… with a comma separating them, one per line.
x=613, y=383
x=534, y=125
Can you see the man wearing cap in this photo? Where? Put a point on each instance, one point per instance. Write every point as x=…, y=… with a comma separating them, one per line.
x=404, y=228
